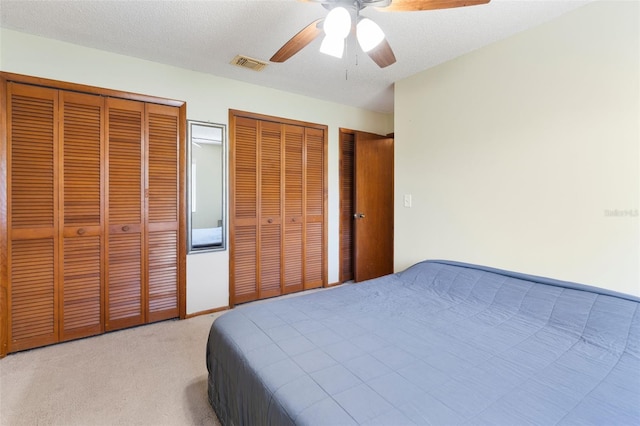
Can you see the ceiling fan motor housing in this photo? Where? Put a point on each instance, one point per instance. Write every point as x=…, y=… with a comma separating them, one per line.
x=354, y=4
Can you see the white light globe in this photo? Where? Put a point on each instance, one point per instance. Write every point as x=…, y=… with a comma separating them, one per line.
x=338, y=23
x=332, y=46
x=369, y=34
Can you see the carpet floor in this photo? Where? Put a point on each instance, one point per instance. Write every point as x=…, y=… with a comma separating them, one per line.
x=149, y=375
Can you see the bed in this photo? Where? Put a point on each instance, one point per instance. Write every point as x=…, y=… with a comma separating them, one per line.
x=440, y=343
x=205, y=237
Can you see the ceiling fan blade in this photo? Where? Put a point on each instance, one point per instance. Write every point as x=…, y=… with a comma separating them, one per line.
x=382, y=54
x=298, y=41
x=416, y=5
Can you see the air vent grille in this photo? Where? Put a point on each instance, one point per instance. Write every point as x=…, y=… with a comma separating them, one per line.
x=247, y=62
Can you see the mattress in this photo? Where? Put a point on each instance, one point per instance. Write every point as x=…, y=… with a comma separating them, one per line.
x=441, y=343
x=203, y=237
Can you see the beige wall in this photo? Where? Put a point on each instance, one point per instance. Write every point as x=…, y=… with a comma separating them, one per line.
x=517, y=153
x=208, y=99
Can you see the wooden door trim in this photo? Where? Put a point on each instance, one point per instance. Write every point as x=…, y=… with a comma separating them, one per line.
x=274, y=119
x=182, y=213
x=75, y=87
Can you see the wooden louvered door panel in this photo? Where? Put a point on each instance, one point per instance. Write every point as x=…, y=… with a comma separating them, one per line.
x=270, y=220
x=346, y=205
x=293, y=208
x=244, y=210
x=314, y=209
x=81, y=198
x=162, y=212
x=125, y=293
x=278, y=207
x=91, y=211
x=32, y=216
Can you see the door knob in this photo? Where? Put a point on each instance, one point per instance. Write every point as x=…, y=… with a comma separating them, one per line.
x=358, y=216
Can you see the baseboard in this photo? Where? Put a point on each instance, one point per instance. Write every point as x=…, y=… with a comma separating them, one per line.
x=333, y=284
x=208, y=311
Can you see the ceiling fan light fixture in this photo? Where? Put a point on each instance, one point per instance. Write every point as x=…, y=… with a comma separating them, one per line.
x=369, y=34
x=338, y=23
x=332, y=46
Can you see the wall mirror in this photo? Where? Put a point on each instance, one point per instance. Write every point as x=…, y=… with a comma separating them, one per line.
x=206, y=192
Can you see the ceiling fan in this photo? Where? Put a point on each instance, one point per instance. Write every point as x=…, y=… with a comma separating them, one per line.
x=339, y=23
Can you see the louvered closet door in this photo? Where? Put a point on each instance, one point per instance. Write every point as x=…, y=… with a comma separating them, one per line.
x=125, y=299
x=346, y=206
x=270, y=254
x=162, y=212
x=293, y=206
x=32, y=218
x=81, y=198
x=244, y=211
x=314, y=208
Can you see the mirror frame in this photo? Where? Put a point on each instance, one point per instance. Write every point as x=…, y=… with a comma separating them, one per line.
x=223, y=173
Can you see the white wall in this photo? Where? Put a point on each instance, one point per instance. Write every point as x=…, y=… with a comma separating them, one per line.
x=208, y=99
x=514, y=153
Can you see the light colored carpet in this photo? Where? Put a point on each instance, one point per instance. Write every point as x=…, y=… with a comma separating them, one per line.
x=149, y=375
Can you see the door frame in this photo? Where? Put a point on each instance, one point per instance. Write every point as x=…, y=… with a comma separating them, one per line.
x=342, y=229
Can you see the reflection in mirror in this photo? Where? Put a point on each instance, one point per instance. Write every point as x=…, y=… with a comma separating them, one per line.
x=206, y=186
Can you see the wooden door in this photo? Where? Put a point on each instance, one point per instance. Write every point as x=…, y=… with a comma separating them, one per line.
x=125, y=295
x=293, y=278
x=373, y=224
x=81, y=199
x=243, y=210
x=32, y=207
x=314, y=202
x=270, y=209
x=277, y=207
x=76, y=202
x=162, y=237
x=347, y=139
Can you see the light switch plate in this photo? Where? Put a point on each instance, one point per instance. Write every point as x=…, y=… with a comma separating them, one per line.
x=407, y=200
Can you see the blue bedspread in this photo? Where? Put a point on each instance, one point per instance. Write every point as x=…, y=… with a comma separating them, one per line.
x=441, y=343
x=203, y=237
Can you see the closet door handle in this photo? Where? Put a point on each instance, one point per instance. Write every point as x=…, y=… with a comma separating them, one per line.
x=125, y=228
x=269, y=220
x=81, y=231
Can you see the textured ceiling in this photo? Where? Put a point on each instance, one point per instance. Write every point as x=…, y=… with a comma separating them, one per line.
x=206, y=35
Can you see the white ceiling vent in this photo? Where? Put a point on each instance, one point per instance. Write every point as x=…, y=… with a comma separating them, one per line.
x=247, y=62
